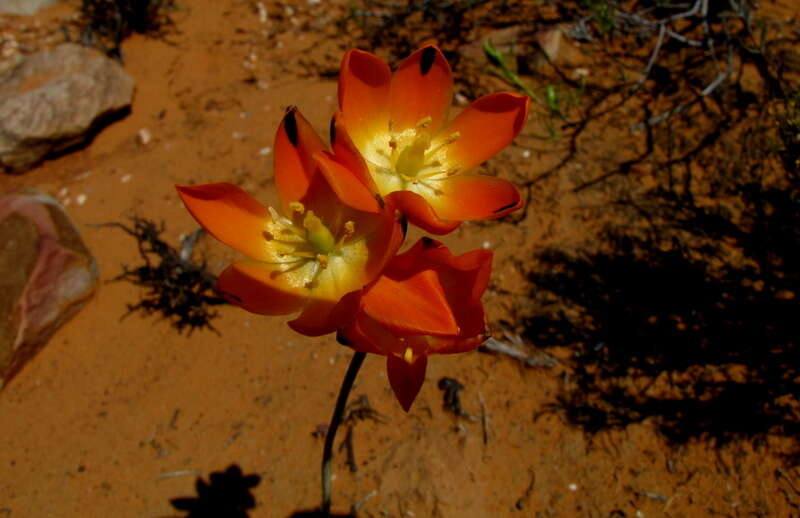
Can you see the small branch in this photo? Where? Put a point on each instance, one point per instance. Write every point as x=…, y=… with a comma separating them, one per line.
x=496, y=346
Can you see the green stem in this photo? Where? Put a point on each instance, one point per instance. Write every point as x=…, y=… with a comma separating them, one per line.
x=336, y=419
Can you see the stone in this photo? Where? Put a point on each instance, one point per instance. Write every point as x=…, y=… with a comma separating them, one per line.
x=46, y=275
x=23, y=7
x=57, y=99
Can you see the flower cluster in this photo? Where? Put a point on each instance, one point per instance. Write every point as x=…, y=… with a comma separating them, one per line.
x=330, y=250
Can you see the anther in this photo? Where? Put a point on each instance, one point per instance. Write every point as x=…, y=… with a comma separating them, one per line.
x=408, y=356
x=298, y=207
x=424, y=122
x=349, y=230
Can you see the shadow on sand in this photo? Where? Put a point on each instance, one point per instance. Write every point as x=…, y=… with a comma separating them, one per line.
x=695, y=324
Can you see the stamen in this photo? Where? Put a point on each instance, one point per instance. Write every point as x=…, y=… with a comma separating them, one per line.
x=322, y=259
x=424, y=122
x=433, y=173
x=446, y=142
x=302, y=255
x=296, y=206
x=408, y=356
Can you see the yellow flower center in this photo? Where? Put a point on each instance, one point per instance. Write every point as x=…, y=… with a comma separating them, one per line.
x=303, y=245
x=410, y=159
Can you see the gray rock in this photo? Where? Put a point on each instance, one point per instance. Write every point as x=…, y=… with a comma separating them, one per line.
x=23, y=7
x=57, y=99
x=46, y=275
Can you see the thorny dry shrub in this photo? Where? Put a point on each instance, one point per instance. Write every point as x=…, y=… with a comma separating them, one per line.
x=106, y=23
x=175, y=287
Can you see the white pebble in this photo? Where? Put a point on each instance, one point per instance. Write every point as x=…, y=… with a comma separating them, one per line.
x=144, y=136
x=63, y=192
x=526, y=153
x=238, y=135
x=125, y=178
x=262, y=12
x=461, y=99
x=264, y=151
x=573, y=487
x=80, y=199
x=486, y=245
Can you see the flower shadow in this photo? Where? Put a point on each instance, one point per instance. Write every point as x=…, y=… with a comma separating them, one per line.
x=227, y=493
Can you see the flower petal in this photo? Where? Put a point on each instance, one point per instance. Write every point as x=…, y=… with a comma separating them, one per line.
x=294, y=166
x=255, y=287
x=464, y=279
x=364, y=86
x=410, y=304
x=406, y=379
x=471, y=196
x=485, y=127
x=321, y=317
x=230, y=215
x=457, y=345
x=422, y=86
x=348, y=154
x=347, y=186
x=419, y=212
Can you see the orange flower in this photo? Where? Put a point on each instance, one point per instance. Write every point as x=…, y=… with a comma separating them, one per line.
x=416, y=159
x=333, y=237
x=427, y=301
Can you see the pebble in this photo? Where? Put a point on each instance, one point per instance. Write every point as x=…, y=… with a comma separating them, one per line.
x=80, y=199
x=262, y=12
x=144, y=136
x=264, y=151
x=125, y=178
x=526, y=153
x=573, y=487
x=486, y=245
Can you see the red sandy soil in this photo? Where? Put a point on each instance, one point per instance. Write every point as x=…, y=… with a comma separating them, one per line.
x=116, y=416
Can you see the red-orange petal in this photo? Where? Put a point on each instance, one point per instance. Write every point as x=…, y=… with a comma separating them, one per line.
x=255, y=287
x=321, y=317
x=365, y=335
x=406, y=379
x=486, y=127
x=464, y=278
x=364, y=86
x=230, y=215
x=295, y=145
x=422, y=86
x=471, y=197
x=348, y=154
x=413, y=304
x=419, y=212
x=347, y=186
